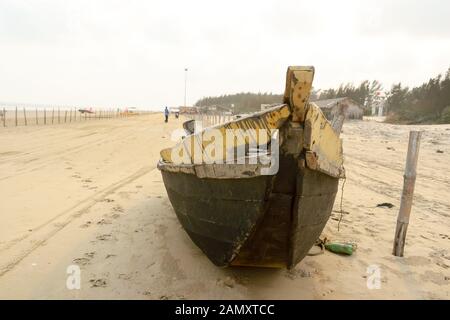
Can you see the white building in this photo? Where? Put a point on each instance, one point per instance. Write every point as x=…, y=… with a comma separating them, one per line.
x=379, y=104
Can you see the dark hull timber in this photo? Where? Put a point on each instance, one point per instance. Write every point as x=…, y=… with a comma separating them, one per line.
x=218, y=215
x=298, y=209
x=240, y=217
x=264, y=221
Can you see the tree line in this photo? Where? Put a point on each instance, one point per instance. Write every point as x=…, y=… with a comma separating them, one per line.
x=243, y=102
x=428, y=103
x=365, y=94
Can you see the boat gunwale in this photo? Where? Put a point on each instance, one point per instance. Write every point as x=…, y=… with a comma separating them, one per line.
x=216, y=170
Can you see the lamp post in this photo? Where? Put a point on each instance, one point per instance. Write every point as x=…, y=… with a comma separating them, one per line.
x=185, y=85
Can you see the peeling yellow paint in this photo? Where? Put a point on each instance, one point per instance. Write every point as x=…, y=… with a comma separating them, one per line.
x=323, y=142
x=298, y=88
x=269, y=119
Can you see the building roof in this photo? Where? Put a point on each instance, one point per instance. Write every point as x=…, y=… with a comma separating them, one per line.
x=330, y=103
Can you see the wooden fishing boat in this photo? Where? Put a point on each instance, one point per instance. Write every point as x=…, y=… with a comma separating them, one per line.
x=246, y=213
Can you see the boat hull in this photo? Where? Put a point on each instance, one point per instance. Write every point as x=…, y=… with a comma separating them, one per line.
x=233, y=212
x=218, y=214
x=264, y=221
x=298, y=209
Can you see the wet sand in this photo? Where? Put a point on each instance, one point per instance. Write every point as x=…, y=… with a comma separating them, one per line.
x=89, y=194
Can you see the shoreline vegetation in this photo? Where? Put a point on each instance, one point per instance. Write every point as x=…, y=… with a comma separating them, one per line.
x=428, y=103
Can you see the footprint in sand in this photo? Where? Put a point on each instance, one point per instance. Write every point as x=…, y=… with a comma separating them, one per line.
x=371, y=231
x=87, y=224
x=434, y=277
x=444, y=236
x=442, y=265
x=81, y=261
x=294, y=274
x=227, y=282
x=114, y=215
x=104, y=237
x=106, y=200
x=327, y=292
x=89, y=187
x=125, y=276
x=84, y=260
x=117, y=209
x=104, y=221
x=439, y=254
x=98, y=283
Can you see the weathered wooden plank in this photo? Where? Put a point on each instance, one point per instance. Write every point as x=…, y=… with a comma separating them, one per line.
x=298, y=88
x=196, y=145
x=322, y=143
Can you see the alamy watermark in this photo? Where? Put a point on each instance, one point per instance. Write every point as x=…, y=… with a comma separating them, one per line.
x=229, y=146
x=73, y=281
x=373, y=277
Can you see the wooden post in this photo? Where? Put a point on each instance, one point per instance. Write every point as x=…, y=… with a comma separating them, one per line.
x=407, y=194
x=25, y=115
x=339, y=117
x=53, y=114
x=37, y=121
x=70, y=117
x=65, y=116
x=16, y=117
x=45, y=116
x=59, y=118
x=4, y=117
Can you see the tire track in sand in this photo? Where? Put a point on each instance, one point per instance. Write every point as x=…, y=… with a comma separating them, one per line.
x=81, y=208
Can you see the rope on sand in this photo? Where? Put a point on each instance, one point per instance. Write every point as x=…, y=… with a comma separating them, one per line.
x=342, y=198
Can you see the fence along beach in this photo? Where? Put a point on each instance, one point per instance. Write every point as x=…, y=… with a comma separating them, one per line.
x=13, y=116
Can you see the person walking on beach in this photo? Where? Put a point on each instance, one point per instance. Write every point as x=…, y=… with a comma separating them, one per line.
x=166, y=114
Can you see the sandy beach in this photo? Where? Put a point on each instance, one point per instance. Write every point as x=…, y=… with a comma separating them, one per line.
x=89, y=194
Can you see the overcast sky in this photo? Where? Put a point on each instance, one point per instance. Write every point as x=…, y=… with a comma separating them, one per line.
x=133, y=53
